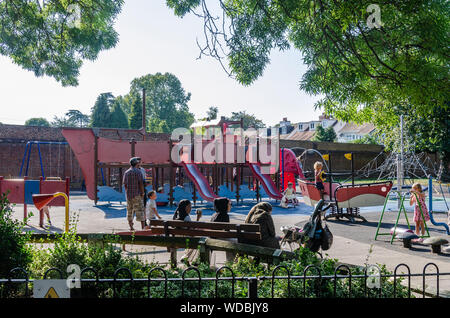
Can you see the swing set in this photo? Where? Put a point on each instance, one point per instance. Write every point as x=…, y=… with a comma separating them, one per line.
x=23, y=191
x=401, y=196
x=27, y=155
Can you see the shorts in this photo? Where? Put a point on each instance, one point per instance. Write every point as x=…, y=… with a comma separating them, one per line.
x=135, y=206
x=319, y=186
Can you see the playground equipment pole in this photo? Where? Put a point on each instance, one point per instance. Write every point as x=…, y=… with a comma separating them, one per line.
x=331, y=177
x=353, y=169
x=430, y=204
x=144, y=119
x=400, y=161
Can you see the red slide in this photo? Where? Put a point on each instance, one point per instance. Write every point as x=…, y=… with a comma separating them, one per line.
x=200, y=181
x=266, y=181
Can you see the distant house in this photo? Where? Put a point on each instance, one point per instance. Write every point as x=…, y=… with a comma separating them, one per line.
x=345, y=132
x=352, y=131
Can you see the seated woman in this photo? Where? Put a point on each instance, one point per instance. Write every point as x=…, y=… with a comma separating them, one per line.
x=289, y=195
x=261, y=214
x=222, y=206
x=182, y=213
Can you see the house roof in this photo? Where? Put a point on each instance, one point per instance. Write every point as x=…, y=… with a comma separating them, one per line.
x=300, y=135
x=357, y=129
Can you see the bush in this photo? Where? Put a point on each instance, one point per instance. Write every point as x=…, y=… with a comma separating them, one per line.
x=14, y=251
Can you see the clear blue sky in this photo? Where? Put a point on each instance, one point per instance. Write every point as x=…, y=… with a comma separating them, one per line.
x=152, y=39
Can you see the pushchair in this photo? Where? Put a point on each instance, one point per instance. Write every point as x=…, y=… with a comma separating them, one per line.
x=314, y=235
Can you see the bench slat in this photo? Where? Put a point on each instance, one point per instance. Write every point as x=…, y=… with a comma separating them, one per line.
x=207, y=225
x=208, y=233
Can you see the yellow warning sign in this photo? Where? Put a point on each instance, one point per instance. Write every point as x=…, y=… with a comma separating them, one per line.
x=51, y=288
x=51, y=293
x=326, y=157
x=348, y=156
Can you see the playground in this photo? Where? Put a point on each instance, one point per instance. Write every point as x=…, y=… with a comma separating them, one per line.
x=175, y=172
x=370, y=218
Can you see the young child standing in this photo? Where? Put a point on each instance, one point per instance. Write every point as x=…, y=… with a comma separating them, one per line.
x=319, y=178
x=151, y=211
x=46, y=211
x=418, y=197
x=289, y=194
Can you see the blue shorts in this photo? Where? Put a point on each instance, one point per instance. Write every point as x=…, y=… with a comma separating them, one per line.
x=319, y=186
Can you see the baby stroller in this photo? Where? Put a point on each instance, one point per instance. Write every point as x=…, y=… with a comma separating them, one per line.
x=314, y=235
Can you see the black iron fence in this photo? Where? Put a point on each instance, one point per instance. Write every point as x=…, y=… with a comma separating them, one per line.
x=159, y=284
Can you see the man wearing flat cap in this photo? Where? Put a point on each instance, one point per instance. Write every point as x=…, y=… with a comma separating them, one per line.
x=134, y=188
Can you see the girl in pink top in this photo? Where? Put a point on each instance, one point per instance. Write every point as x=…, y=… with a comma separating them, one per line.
x=418, y=197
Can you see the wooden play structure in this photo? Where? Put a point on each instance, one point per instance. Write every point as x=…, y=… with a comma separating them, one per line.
x=103, y=162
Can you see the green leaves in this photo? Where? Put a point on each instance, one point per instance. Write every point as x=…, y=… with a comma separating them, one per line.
x=166, y=102
x=322, y=134
x=364, y=73
x=55, y=39
x=14, y=251
x=37, y=121
x=101, y=112
x=181, y=7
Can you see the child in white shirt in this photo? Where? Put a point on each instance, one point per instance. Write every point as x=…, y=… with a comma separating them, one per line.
x=289, y=195
x=151, y=211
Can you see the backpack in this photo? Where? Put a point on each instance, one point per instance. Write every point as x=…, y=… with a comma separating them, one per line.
x=327, y=238
x=317, y=235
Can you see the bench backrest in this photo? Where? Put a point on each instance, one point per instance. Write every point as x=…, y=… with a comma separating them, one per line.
x=208, y=229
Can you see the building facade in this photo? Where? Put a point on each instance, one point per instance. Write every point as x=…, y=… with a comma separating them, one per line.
x=345, y=131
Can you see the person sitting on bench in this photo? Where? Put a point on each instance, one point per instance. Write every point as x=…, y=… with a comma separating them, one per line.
x=261, y=214
x=182, y=214
x=222, y=206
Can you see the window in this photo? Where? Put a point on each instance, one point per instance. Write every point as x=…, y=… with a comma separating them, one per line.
x=300, y=127
x=311, y=125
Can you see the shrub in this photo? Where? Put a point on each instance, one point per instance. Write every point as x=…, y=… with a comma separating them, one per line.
x=14, y=251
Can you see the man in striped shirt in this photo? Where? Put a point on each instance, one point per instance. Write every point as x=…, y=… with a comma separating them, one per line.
x=134, y=188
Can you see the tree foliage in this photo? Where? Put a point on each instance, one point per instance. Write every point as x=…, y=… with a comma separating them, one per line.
x=323, y=134
x=37, y=121
x=63, y=121
x=166, y=103
x=77, y=117
x=212, y=112
x=101, y=112
x=249, y=120
x=135, y=117
x=52, y=37
x=364, y=71
x=118, y=118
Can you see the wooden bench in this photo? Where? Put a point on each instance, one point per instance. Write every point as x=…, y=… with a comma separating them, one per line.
x=216, y=230
x=265, y=254
x=219, y=230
